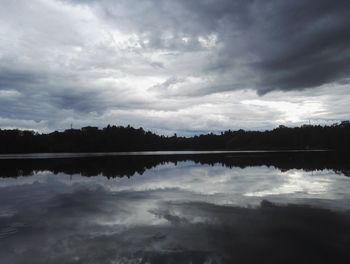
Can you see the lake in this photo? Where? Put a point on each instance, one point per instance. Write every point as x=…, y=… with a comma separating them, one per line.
x=175, y=207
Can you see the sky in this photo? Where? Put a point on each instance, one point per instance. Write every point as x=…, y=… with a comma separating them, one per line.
x=174, y=66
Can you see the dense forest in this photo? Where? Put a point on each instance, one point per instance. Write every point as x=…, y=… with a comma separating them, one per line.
x=119, y=138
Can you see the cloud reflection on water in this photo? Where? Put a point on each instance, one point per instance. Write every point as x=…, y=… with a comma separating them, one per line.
x=177, y=213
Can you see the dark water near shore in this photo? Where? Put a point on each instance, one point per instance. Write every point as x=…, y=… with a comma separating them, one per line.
x=235, y=207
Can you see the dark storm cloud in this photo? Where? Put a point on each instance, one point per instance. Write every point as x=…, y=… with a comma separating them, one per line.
x=285, y=45
x=16, y=79
x=313, y=40
x=41, y=89
x=296, y=44
x=37, y=88
x=161, y=64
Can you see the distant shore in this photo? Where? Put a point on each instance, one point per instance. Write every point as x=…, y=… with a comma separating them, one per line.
x=119, y=139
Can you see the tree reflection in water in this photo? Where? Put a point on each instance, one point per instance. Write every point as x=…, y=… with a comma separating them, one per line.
x=193, y=212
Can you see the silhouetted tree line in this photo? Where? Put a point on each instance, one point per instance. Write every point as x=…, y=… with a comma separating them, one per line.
x=129, y=165
x=119, y=138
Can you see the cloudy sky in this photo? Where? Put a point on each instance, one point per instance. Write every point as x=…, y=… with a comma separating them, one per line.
x=174, y=65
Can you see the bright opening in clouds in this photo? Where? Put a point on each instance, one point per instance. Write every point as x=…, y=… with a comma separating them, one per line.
x=174, y=65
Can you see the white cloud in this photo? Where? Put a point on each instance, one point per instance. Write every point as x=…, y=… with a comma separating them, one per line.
x=170, y=67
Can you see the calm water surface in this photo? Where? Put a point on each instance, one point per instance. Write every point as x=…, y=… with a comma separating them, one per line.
x=237, y=207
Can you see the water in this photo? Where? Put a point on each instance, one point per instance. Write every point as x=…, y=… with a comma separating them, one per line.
x=225, y=207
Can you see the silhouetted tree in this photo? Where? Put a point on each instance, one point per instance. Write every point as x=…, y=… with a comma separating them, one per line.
x=119, y=138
